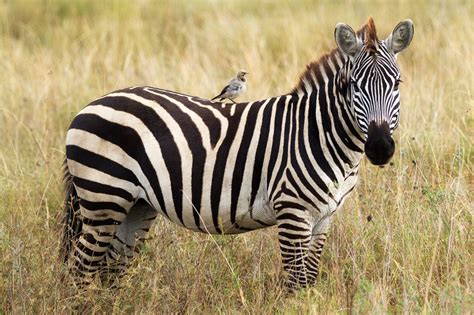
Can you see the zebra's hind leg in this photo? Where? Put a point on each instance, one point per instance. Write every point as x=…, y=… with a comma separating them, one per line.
x=99, y=223
x=128, y=239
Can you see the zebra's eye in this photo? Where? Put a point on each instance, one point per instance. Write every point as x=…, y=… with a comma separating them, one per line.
x=397, y=83
x=353, y=84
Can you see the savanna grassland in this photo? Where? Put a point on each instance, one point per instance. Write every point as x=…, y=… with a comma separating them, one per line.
x=402, y=242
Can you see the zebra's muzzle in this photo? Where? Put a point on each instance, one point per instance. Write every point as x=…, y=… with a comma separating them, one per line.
x=379, y=146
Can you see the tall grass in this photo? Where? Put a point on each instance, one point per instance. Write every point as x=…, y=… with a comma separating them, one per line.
x=414, y=255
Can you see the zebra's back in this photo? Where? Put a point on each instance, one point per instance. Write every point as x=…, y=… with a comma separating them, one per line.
x=181, y=154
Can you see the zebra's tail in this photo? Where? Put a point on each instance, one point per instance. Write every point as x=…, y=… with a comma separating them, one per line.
x=72, y=221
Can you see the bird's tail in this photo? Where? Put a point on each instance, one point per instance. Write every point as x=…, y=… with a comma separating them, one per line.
x=215, y=97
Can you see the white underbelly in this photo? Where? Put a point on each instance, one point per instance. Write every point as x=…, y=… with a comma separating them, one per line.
x=258, y=215
x=247, y=217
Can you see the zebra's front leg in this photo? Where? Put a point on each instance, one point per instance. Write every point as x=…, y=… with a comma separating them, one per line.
x=301, y=244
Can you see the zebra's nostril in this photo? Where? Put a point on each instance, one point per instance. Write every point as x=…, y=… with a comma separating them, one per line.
x=380, y=146
x=380, y=151
x=392, y=143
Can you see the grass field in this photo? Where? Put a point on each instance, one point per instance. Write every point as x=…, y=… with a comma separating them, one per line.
x=415, y=255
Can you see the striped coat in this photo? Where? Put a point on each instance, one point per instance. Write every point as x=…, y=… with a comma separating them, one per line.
x=222, y=168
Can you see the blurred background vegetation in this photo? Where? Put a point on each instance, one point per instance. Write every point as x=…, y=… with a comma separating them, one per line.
x=414, y=255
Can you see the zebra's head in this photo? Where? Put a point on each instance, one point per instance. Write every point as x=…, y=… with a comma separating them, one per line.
x=372, y=80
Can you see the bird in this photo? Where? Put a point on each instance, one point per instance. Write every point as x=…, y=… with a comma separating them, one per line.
x=234, y=88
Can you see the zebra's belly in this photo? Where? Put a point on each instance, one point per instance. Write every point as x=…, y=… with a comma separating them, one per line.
x=260, y=215
x=230, y=219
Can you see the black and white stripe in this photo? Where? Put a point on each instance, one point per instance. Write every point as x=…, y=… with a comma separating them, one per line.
x=220, y=168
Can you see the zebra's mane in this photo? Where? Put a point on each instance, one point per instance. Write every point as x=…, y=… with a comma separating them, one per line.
x=367, y=33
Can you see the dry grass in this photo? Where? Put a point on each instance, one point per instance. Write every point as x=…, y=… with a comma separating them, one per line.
x=416, y=255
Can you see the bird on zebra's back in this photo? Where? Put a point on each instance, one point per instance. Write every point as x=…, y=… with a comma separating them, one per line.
x=236, y=87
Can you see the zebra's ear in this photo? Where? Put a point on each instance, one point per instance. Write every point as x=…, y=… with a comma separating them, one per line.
x=401, y=36
x=346, y=40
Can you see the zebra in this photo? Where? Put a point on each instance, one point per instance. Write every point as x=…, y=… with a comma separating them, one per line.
x=218, y=168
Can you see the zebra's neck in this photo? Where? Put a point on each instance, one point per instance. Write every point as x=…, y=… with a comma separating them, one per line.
x=321, y=99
